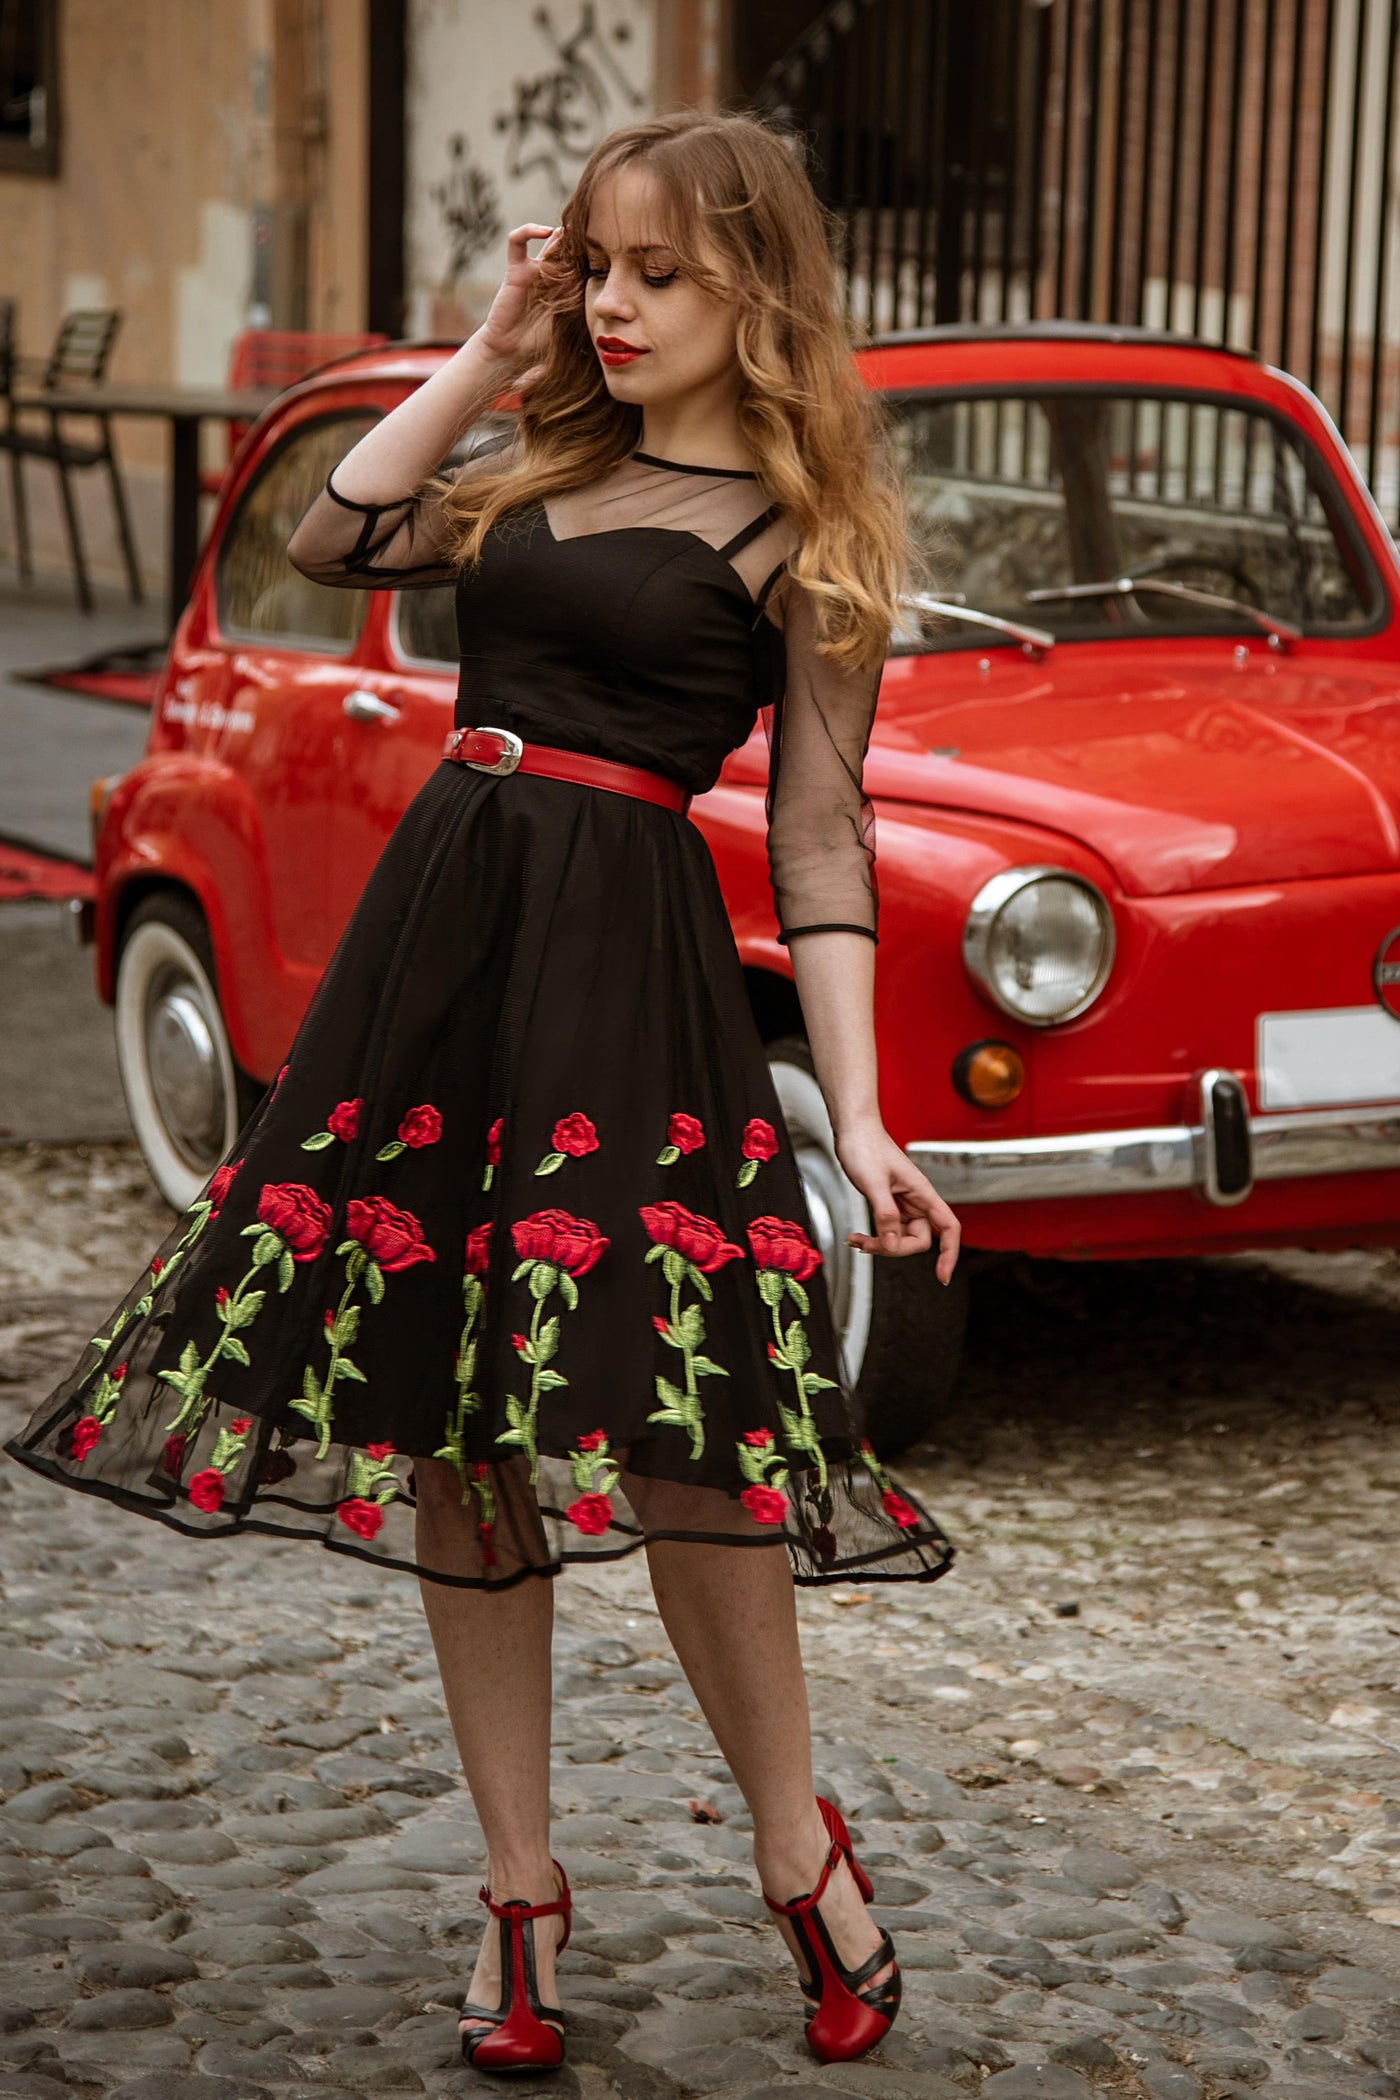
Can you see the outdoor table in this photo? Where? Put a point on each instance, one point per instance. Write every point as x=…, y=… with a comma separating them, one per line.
x=184, y=408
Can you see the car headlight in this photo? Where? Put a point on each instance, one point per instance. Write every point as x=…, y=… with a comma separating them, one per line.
x=1039, y=941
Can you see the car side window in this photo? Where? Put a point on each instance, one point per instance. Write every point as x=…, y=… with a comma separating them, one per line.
x=425, y=621
x=258, y=592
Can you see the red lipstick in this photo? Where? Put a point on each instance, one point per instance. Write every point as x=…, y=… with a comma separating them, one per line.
x=614, y=351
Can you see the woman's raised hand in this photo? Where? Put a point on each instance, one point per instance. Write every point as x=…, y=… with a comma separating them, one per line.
x=515, y=331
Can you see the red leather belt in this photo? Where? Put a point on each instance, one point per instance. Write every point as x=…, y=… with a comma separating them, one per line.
x=502, y=751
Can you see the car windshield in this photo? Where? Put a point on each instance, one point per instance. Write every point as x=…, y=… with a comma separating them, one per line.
x=1023, y=504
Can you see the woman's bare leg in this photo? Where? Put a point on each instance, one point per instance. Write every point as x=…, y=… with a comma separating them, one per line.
x=731, y=1615
x=493, y=1654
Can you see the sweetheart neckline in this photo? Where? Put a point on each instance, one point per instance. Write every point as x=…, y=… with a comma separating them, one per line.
x=675, y=532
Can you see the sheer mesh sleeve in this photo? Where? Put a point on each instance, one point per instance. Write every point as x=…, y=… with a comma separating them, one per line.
x=821, y=826
x=396, y=545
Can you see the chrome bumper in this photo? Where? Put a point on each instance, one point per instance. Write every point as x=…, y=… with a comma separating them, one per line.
x=1176, y=1156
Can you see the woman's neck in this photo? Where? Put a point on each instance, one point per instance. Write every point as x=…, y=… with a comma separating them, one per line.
x=695, y=433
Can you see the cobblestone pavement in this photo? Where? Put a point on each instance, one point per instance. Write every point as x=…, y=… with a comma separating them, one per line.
x=1128, y=1779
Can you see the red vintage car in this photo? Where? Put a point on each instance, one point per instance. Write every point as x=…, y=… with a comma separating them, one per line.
x=1136, y=769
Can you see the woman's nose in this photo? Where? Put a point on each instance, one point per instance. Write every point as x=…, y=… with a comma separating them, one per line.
x=612, y=300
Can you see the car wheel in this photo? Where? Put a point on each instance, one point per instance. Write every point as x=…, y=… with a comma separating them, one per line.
x=900, y=1330
x=185, y=1094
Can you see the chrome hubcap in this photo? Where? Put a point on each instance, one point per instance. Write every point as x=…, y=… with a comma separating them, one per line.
x=183, y=1062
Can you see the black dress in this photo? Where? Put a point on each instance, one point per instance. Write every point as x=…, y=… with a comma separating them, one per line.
x=521, y=1203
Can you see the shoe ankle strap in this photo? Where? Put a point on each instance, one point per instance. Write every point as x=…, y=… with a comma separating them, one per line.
x=516, y=1907
x=801, y=1904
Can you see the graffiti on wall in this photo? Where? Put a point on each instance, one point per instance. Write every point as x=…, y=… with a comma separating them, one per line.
x=559, y=113
x=469, y=203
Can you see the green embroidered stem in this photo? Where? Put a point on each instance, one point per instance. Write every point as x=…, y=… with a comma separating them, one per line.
x=239, y=1309
x=200, y=1216
x=685, y=1330
x=790, y=1351
x=541, y=1344
x=453, y=1449
x=314, y=1400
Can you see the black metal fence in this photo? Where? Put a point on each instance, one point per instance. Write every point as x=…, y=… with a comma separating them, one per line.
x=1220, y=168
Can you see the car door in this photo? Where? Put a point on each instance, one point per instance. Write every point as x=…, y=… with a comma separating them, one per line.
x=293, y=649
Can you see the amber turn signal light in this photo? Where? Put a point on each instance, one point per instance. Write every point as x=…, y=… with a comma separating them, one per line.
x=989, y=1074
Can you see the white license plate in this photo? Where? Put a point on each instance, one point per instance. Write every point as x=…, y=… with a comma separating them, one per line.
x=1330, y=1057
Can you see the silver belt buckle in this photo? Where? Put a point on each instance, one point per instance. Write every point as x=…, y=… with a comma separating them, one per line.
x=510, y=757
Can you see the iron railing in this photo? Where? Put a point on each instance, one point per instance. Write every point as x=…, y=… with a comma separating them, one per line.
x=1221, y=168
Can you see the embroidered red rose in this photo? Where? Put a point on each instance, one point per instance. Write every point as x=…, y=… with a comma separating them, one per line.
x=120, y=1373
x=241, y=1424
x=594, y=1441
x=895, y=1506
x=344, y=1119
x=389, y=1236
x=575, y=1135
x=478, y=1256
x=379, y=1452
x=758, y=1439
x=297, y=1215
x=421, y=1126
x=221, y=1295
x=554, y=1236
x=275, y=1466
x=493, y=1142
x=174, y=1451
x=686, y=1133
x=760, y=1140
x=764, y=1504
x=220, y=1186
x=519, y=1343
x=699, y=1239
x=328, y=1321
x=361, y=1517
x=591, y=1514
x=206, y=1489
x=772, y=1352
x=779, y=1243
x=660, y=1323
x=84, y=1435
x=156, y=1266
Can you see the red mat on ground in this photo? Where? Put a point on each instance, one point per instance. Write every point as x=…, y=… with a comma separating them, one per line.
x=27, y=871
x=129, y=676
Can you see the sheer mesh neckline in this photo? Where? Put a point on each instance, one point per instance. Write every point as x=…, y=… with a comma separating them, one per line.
x=680, y=466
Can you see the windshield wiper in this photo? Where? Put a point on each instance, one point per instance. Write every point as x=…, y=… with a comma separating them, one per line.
x=1279, y=631
x=1034, y=640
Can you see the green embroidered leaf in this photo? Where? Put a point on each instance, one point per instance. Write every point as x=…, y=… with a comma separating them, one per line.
x=486, y=1178
x=770, y=1286
x=691, y=1327
x=451, y=1450
x=795, y=1343
x=249, y=1231
x=466, y=1369
x=141, y=1307
x=813, y=1384
x=189, y=1359
x=347, y=1246
x=232, y=1346
x=386, y=1493
x=654, y=1252
x=670, y=1395
x=515, y=1411
x=798, y=1295
x=668, y=1155
x=701, y=1282
x=706, y=1367
x=547, y=1341
x=286, y=1270
x=361, y=1475
x=568, y=1290
x=348, y=1370
x=356, y=1265
x=551, y=1163
x=241, y=1312
x=542, y=1277
x=374, y=1282
x=302, y=1404
x=522, y=1268
x=671, y=1415
x=347, y=1327
x=319, y=1142
x=266, y=1249
x=525, y=1349
x=751, y=1464
x=673, y=1266
x=545, y=1379
x=746, y=1173
x=515, y=1436
x=668, y=1335
x=175, y=1379
x=391, y=1150
x=472, y=1292
x=311, y=1384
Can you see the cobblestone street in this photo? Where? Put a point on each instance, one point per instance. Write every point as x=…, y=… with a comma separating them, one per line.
x=1128, y=1779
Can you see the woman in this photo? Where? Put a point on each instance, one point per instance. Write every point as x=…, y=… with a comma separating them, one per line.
x=511, y=1265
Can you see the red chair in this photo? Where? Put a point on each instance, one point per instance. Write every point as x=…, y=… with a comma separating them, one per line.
x=278, y=357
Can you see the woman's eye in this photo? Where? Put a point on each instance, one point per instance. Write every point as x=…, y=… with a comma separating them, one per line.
x=669, y=278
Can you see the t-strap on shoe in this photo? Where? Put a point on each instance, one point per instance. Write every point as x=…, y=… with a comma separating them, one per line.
x=523, y=2034
x=847, y=2020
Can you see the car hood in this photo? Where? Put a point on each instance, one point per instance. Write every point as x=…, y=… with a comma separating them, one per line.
x=1182, y=775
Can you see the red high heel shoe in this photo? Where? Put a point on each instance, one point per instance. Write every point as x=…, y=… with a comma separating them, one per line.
x=524, y=2035
x=848, y=2020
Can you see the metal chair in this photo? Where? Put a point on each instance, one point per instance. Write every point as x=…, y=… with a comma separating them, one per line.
x=78, y=358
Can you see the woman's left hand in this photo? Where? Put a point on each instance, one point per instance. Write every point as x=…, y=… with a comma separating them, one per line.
x=906, y=1209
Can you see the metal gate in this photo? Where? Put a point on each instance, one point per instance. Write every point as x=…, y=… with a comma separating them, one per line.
x=1221, y=168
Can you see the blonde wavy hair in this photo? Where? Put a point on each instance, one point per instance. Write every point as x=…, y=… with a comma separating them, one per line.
x=743, y=219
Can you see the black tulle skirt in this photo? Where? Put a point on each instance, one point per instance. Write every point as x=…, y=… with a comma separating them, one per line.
x=511, y=1265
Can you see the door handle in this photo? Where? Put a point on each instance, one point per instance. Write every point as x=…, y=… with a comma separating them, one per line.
x=362, y=706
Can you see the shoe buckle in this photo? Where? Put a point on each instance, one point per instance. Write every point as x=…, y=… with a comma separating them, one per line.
x=510, y=749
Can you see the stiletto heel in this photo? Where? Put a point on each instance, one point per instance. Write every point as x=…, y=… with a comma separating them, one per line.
x=524, y=2035
x=847, y=2020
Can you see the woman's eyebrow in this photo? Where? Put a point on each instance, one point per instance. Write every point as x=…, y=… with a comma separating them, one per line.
x=643, y=248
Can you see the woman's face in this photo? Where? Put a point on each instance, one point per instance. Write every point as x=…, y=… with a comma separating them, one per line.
x=655, y=332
